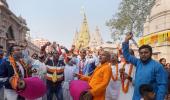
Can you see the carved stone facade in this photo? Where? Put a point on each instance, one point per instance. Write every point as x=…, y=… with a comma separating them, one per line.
x=12, y=28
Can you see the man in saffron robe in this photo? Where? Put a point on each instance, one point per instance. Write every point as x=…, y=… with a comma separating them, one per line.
x=100, y=78
x=148, y=71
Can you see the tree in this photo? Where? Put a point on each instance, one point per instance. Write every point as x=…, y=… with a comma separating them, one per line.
x=130, y=17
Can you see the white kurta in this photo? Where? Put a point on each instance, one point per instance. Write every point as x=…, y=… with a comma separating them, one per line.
x=41, y=70
x=68, y=76
x=129, y=94
x=10, y=94
x=113, y=88
x=40, y=67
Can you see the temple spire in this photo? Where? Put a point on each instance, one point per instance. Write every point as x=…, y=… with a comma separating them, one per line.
x=98, y=36
x=85, y=18
x=84, y=34
x=96, y=39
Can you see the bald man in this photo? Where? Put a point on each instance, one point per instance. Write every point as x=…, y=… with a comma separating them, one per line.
x=99, y=80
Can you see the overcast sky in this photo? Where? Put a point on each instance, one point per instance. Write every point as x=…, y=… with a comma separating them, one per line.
x=57, y=20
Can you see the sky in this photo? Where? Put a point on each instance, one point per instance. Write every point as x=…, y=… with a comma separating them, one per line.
x=58, y=20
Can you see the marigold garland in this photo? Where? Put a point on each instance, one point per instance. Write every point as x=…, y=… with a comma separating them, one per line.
x=116, y=77
x=13, y=63
x=125, y=88
x=15, y=77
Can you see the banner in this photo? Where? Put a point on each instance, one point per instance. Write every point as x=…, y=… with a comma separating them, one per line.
x=147, y=40
x=168, y=39
x=160, y=38
x=166, y=36
x=141, y=42
x=155, y=38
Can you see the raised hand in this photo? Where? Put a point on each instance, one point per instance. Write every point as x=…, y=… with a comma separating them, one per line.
x=77, y=75
x=48, y=43
x=88, y=96
x=128, y=37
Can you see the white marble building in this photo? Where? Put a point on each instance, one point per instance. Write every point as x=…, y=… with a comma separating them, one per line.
x=158, y=22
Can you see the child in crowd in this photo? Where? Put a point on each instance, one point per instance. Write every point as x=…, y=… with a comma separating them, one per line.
x=147, y=92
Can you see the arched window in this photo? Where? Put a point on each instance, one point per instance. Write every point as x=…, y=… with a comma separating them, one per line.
x=10, y=34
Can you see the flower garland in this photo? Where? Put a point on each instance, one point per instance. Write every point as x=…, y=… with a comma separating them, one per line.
x=13, y=63
x=125, y=88
x=15, y=77
x=116, y=77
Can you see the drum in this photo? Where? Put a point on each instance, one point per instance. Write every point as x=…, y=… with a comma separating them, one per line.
x=77, y=87
x=35, y=88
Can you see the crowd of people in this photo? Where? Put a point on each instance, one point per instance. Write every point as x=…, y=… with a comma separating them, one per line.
x=96, y=75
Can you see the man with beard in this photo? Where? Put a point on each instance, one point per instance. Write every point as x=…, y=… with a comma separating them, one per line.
x=8, y=71
x=148, y=71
